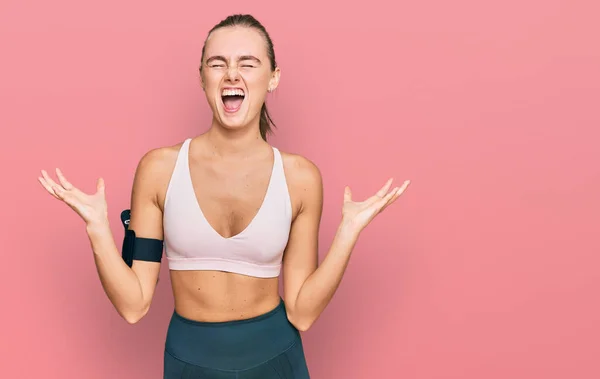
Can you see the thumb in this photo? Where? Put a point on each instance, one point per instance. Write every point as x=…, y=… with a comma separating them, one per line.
x=347, y=194
x=100, y=186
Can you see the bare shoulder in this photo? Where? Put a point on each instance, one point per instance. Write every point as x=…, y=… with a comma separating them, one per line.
x=304, y=180
x=154, y=171
x=300, y=170
x=159, y=159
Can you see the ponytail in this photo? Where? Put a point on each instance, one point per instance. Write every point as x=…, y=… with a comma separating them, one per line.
x=265, y=122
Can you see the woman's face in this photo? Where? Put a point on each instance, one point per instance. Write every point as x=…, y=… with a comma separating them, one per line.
x=236, y=75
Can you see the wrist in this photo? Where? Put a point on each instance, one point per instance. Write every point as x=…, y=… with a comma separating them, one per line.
x=348, y=230
x=97, y=228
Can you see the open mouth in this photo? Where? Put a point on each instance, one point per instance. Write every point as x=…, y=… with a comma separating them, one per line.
x=232, y=99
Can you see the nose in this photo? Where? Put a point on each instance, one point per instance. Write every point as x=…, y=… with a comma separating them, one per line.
x=232, y=74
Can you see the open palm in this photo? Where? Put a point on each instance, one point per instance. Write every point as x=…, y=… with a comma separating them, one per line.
x=360, y=213
x=91, y=208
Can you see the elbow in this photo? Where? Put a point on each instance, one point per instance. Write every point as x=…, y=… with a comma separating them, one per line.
x=133, y=317
x=300, y=323
x=303, y=327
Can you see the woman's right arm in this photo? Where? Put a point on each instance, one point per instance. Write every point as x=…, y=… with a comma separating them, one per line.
x=131, y=289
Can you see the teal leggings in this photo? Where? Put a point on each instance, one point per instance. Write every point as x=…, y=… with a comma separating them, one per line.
x=263, y=347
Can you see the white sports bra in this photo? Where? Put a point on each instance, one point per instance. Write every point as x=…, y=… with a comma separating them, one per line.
x=191, y=243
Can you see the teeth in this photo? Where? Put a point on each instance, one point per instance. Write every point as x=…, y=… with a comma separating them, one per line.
x=232, y=92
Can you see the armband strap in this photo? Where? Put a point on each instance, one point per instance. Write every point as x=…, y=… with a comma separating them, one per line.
x=136, y=248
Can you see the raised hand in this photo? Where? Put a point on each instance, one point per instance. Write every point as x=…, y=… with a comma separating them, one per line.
x=360, y=214
x=91, y=208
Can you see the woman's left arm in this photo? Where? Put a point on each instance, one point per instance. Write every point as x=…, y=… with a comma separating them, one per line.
x=308, y=286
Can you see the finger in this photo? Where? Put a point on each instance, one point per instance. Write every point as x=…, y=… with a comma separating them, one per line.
x=385, y=188
x=100, y=186
x=48, y=179
x=67, y=197
x=347, y=194
x=392, y=199
x=63, y=181
x=47, y=187
x=398, y=191
x=384, y=200
x=59, y=192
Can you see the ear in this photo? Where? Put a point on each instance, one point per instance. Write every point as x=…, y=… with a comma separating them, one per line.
x=274, y=82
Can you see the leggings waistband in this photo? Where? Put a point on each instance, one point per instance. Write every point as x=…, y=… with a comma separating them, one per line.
x=231, y=345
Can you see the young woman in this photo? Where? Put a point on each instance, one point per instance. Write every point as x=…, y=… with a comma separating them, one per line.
x=233, y=212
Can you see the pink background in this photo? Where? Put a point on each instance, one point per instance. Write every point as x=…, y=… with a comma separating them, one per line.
x=486, y=268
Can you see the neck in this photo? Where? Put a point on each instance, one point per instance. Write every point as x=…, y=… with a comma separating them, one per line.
x=241, y=143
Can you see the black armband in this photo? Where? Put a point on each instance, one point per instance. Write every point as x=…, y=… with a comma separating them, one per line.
x=136, y=248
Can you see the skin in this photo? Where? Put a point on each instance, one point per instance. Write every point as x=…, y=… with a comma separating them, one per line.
x=230, y=166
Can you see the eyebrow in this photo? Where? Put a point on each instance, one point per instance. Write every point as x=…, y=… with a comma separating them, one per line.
x=242, y=58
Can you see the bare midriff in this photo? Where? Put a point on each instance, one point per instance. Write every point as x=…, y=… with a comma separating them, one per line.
x=216, y=296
